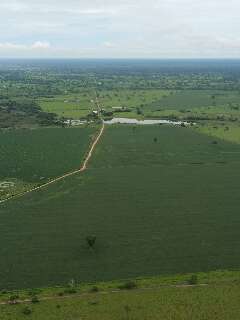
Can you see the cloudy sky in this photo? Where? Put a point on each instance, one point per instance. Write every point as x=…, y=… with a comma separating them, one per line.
x=120, y=29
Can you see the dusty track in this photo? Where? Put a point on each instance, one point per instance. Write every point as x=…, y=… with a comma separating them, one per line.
x=82, y=168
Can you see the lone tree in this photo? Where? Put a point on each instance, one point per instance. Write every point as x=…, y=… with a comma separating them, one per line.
x=155, y=139
x=91, y=241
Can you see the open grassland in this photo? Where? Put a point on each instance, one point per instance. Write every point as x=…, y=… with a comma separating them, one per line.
x=159, y=200
x=216, y=296
x=148, y=102
x=32, y=157
x=69, y=106
x=131, y=98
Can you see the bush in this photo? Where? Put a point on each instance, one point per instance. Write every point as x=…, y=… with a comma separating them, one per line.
x=94, y=289
x=4, y=291
x=193, y=280
x=27, y=311
x=14, y=297
x=34, y=299
x=70, y=291
x=128, y=285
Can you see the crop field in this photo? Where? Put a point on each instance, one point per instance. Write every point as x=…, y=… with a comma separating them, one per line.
x=32, y=157
x=188, y=100
x=159, y=200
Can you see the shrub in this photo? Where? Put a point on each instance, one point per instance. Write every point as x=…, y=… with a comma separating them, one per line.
x=4, y=291
x=34, y=299
x=27, y=311
x=193, y=280
x=94, y=289
x=70, y=291
x=14, y=297
x=91, y=241
x=128, y=285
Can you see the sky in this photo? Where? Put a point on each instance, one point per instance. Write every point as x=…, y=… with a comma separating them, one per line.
x=120, y=29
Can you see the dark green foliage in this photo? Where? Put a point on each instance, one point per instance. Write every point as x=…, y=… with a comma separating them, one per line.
x=91, y=240
x=13, y=297
x=23, y=113
x=94, y=289
x=169, y=207
x=26, y=311
x=128, y=285
x=70, y=291
x=34, y=299
x=193, y=280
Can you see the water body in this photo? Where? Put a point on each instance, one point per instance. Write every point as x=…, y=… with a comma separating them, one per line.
x=144, y=122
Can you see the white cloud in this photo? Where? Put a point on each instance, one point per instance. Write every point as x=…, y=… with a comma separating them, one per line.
x=124, y=28
x=40, y=45
x=15, y=46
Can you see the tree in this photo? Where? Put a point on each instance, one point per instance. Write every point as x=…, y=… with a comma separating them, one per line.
x=155, y=139
x=91, y=241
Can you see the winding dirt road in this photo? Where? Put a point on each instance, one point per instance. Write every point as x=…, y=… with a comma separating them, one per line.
x=82, y=168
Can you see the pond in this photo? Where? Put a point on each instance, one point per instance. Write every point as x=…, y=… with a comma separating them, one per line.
x=144, y=122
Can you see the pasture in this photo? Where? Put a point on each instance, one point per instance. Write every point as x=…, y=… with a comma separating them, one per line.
x=31, y=157
x=73, y=106
x=159, y=200
x=154, y=298
x=226, y=131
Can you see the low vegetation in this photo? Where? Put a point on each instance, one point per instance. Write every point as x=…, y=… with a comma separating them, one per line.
x=214, y=296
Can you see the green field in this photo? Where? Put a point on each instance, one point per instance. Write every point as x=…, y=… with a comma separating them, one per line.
x=149, y=102
x=216, y=296
x=189, y=99
x=32, y=157
x=226, y=131
x=69, y=106
x=159, y=207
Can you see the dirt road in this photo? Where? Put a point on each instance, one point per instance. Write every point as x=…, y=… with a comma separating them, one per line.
x=82, y=168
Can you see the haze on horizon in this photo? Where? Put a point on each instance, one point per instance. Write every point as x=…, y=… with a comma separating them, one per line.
x=120, y=29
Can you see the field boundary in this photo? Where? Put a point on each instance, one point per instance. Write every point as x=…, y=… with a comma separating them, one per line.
x=66, y=175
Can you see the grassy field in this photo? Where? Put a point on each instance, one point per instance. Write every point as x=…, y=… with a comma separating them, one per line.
x=32, y=157
x=69, y=106
x=226, y=131
x=157, y=206
x=214, y=297
x=131, y=98
x=151, y=103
